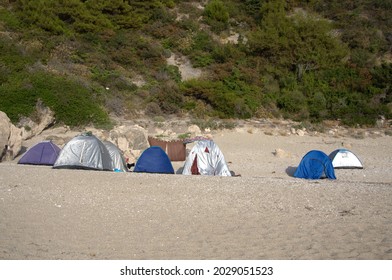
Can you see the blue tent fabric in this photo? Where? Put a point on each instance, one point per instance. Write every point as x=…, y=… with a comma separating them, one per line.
x=43, y=153
x=314, y=165
x=154, y=160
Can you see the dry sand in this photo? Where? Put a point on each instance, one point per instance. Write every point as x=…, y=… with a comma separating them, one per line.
x=264, y=214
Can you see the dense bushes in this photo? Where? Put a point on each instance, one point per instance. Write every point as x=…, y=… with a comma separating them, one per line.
x=72, y=103
x=23, y=83
x=86, y=16
x=305, y=60
x=222, y=100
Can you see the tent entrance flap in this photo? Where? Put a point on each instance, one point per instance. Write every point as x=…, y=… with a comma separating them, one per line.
x=194, y=168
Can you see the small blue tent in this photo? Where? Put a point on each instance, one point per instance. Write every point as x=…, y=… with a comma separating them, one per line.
x=43, y=153
x=314, y=165
x=154, y=160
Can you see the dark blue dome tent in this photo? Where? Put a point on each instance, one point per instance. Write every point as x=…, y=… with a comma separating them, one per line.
x=43, y=153
x=315, y=165
x=154, y=160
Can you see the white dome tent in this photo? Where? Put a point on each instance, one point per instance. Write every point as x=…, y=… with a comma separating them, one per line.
x=343, y=158
x=206, y=158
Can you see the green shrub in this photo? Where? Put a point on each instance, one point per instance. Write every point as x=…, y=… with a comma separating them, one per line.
x=201, y=59
x=217, y=15
x=293, y=103
x=168, y=96
x=318, y=107
x=216, y=10
x=223, y=101
x=72, y=103
x=10, y=19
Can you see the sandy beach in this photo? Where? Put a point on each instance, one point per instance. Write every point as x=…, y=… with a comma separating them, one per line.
x=265, y=213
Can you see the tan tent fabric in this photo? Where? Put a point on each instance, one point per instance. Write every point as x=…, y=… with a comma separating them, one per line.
x=174, y=149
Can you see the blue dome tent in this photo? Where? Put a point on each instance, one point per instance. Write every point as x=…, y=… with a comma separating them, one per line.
x=315, y=165
x=154, y=160
x=43, y=153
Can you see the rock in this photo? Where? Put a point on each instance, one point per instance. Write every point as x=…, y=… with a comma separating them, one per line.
x=45, y=118
x=333, y=132
x=130, y=138
x=10, y=138
x=185, y=67
x=300, y=132
x=14, y=143
x=281, y=153
x=4, y=131
x=59, y=141
x=346, y=145
x=133, y=155
x=194, y=130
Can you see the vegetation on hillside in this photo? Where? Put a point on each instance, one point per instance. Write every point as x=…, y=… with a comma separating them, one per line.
x=304, y=60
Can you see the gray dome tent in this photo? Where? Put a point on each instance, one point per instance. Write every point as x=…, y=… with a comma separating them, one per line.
x=118, y=160
x=84, y=152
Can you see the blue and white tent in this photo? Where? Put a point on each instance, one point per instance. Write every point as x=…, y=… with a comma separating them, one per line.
x=343, y=158
x=315, y=165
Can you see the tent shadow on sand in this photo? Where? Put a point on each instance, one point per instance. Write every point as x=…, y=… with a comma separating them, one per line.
x=291, y=170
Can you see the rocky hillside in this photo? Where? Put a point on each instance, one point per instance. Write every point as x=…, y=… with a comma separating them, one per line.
x=93, y=61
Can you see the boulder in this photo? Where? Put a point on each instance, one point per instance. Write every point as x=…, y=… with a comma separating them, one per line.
x=4, y=128
x=280, y=153
x=301, y=132
x=194, y=130
x=44, y=117
x=10, y=139
x=129, y=138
